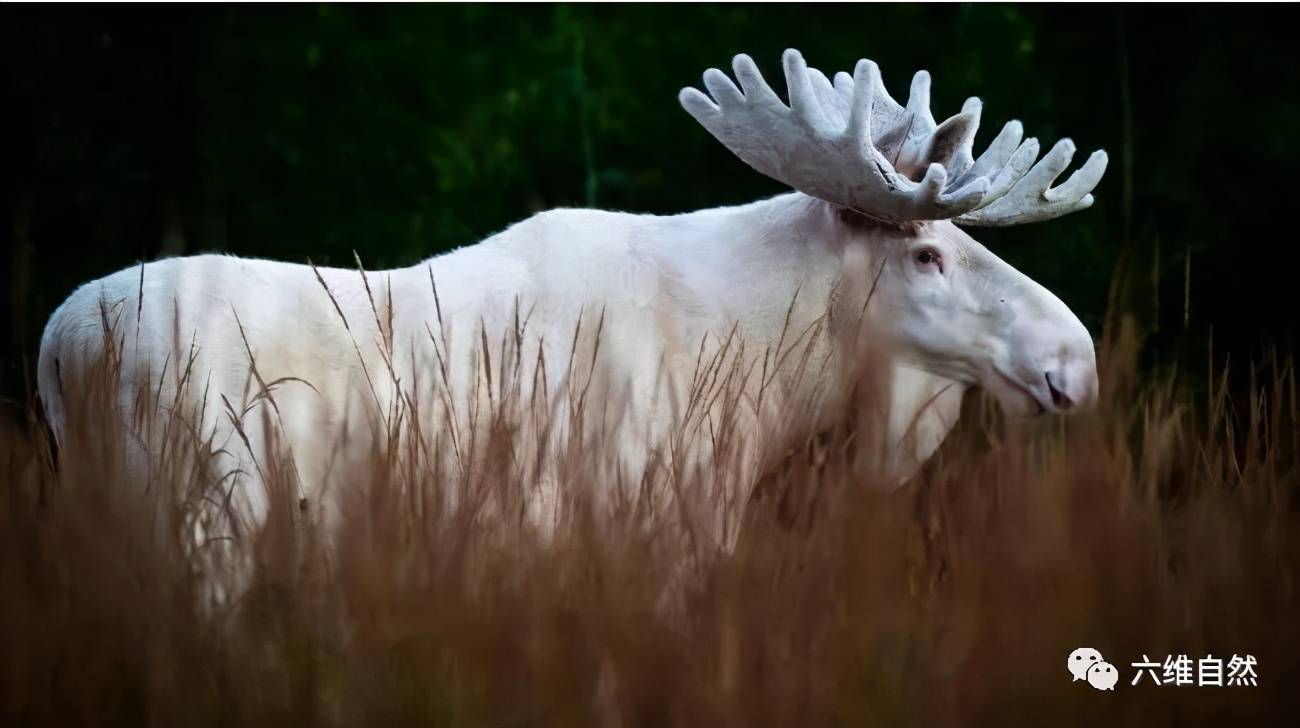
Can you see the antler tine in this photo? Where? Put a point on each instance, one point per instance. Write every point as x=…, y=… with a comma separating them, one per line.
x=963, y=157
x=918, y=100
x=804, y=103
x=866, y=81
x=1032, y=198
x=833, y=105
x=752, y=82
x=999, y=152
x=1005, y=175
x=889, y=120
x=848, y=142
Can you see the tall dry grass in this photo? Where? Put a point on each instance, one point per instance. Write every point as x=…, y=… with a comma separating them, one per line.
x=1161, y=523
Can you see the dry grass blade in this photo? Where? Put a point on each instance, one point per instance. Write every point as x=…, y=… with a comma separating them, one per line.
x=1163, y=523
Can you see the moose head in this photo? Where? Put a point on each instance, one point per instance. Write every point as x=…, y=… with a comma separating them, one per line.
x=947, y=304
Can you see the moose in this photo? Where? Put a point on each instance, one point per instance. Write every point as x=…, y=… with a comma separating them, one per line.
x=880, y=195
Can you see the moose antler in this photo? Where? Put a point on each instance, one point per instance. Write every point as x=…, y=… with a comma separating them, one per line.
x=849, y=143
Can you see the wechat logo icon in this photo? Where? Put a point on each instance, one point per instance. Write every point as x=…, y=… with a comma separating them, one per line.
x=1088, y=665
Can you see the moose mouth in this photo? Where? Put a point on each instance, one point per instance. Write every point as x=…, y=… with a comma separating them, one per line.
x=1016, y=397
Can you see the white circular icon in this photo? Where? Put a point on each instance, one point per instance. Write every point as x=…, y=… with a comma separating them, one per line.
x=1081, y=660
x=1103, y=676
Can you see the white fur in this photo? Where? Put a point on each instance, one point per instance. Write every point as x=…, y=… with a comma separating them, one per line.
x=662, y=283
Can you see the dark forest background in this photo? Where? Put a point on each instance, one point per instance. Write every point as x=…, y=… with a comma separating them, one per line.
x=401, y=132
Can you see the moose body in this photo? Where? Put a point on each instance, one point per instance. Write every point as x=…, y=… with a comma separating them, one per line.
x=323, y=355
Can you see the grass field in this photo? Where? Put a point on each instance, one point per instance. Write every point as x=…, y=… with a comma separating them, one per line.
x=1162, y=523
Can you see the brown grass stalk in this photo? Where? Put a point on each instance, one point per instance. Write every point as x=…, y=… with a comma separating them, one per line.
x=1161, y=523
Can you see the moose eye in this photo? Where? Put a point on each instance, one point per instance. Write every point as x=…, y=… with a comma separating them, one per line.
x=929, y=257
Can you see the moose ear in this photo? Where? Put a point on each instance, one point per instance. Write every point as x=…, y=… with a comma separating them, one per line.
x=948, y=146
x=950, y=138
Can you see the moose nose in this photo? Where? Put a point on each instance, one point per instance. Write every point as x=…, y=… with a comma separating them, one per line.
x=1072, y=386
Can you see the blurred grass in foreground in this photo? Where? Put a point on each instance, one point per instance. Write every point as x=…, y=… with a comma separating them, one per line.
x=1162, y=523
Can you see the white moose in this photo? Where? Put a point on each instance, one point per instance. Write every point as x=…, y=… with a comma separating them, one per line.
x=881, y=190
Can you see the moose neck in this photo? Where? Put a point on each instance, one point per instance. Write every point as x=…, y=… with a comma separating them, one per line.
x=756, y=259
x=751, y=264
